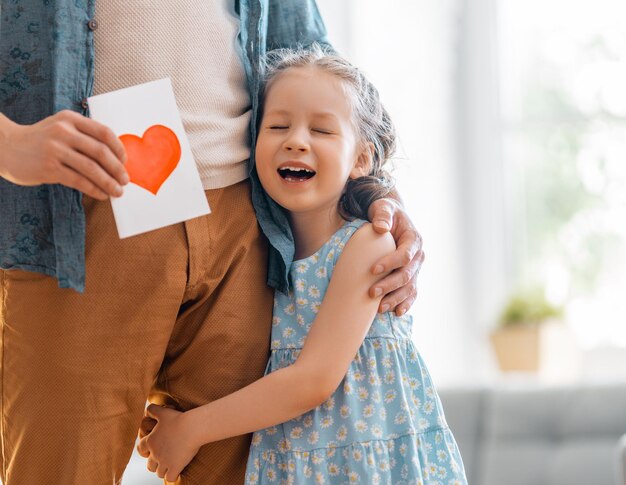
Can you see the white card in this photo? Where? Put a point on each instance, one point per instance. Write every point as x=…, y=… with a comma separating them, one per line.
x=165, y=186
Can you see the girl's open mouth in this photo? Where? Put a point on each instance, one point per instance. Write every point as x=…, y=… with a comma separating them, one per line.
x=295, y=174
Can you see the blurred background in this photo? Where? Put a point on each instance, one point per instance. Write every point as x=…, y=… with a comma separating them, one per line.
x=512, y=122
x=512, y=162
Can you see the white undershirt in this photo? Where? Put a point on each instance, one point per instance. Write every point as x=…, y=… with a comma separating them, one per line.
x=195, y=44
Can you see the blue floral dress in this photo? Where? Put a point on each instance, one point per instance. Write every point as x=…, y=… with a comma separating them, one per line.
x=383, y=425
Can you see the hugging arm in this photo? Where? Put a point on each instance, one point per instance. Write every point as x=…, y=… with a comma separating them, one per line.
x=400, y=286
x=337, y=333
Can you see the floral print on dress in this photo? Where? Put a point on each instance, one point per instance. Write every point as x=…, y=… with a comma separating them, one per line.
x=383, y=425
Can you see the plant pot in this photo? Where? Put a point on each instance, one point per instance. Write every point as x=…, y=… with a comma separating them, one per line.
x=517, y=347
x=547, y=347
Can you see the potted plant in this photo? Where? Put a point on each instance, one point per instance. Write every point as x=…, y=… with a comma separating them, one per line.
x=527, y=329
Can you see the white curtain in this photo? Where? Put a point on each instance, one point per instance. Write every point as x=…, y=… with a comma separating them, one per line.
x=410, y=50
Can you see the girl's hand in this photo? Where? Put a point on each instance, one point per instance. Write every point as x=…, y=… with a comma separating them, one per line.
x=399, y=287
x=170, y=445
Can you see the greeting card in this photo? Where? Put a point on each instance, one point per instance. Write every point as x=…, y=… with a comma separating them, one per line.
x=164, y=187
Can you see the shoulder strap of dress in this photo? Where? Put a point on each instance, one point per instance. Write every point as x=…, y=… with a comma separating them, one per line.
x=343, y=235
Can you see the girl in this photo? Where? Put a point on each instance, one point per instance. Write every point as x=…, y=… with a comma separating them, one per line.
x=353, y=396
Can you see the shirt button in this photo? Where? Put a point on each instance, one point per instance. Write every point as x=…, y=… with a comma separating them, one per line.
x=92, y=24
x=84, y=103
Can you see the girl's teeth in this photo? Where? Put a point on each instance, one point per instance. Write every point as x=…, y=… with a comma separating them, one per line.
x=296, y=174
x=294, y=169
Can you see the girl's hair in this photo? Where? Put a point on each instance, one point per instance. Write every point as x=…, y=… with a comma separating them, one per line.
x=370, y=118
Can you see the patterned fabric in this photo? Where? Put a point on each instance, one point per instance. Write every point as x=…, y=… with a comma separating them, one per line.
x=384, y=424
x=47, y=65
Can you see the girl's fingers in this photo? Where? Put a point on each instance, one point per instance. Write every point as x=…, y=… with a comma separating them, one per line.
x=155, y=411
x=152, y=465
x=142, y=448
x=146, y=427
x=171, y=476
x=161, y=471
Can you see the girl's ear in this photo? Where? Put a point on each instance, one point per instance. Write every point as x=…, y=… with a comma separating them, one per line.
x=363, y=163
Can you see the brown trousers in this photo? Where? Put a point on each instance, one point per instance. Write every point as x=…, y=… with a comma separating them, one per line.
x=181, y=314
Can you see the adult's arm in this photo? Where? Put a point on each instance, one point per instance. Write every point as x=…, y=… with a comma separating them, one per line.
x=66, y=148
x=293, y=23
x=400, y=286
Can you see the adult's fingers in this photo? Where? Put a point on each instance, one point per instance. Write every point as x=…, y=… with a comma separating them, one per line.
x=103, y=134
x=102, y=155
x=409, y=244
x=67, y=176
x=400, y=300
x=382, y=212
x=94, y=172
x=398, y=278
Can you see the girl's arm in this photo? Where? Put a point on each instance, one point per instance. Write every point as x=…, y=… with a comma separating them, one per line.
x=337, y=333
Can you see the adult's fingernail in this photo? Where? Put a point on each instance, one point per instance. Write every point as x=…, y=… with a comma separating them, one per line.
x=118, y=191
x=125, y=178
x=378, y=292
x=384, y=308
x=379, y=268
x=382, y=225
x=401, y=311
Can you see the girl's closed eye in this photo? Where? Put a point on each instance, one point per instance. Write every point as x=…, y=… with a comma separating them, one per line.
x=322, y=131
x=278, y=127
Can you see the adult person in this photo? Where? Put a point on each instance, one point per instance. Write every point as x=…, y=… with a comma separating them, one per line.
x=91, y=324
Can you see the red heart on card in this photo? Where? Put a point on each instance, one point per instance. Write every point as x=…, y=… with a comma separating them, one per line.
x=151, y=158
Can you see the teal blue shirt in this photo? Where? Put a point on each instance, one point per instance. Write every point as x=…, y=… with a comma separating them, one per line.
x=47, y=65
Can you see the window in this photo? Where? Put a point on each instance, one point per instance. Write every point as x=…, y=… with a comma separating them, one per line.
x=563, y=91
x=408, y=51
x=512, y=122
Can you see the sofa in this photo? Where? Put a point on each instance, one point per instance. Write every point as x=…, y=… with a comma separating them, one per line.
x=540, y=435
x=525, y=435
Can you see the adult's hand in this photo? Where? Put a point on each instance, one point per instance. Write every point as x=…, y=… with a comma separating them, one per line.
x=400, y=286
x=66, y=148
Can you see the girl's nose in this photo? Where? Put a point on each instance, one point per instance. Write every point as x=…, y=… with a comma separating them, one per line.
x=296, y=142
